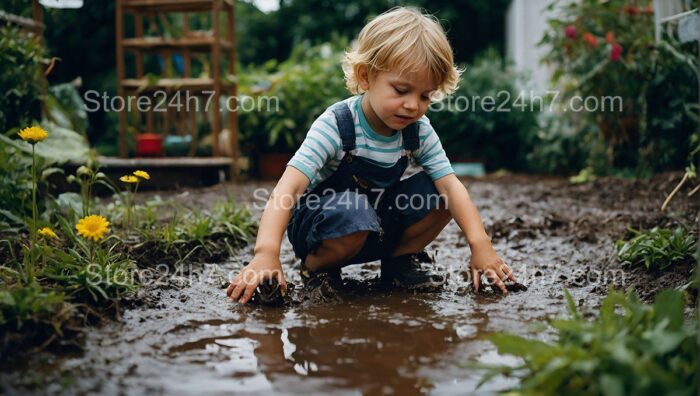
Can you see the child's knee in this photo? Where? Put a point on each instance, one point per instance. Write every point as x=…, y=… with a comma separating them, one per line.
x=342, y=248
x=352, y=243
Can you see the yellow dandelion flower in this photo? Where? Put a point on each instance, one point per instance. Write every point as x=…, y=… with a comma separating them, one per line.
x=47, y=232
x=92, y=227
x=142, y=174
x=129, y=179
x=33, y=134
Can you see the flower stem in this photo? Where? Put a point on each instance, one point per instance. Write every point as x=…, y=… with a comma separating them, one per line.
x=129, y=198
x=32, y=230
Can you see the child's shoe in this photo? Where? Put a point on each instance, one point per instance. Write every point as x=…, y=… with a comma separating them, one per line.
x=407, y=272
x=321, y=286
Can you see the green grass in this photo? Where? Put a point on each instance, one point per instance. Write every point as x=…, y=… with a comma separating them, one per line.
x=199, y=235
x=632, y=348
x=74, y=278
x=90, y=272
x=50, y=284
x=657, y=249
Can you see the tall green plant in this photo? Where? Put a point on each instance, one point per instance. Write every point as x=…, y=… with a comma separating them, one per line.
x=608, y=50
x=20, y=78
x=488, y=117
x=631, y=349
x=298, y=89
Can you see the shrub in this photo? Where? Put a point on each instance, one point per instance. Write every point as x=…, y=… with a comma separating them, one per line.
x=631, y=349
x=501, y=138
x=20, y=306
x=657, y=249
x=302, y=86
x=607, y=49
x=21, y=55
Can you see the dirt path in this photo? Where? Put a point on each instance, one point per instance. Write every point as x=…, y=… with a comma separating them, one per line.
x=191, y=339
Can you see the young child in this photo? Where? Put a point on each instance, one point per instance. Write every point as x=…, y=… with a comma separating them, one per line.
x=341, y=198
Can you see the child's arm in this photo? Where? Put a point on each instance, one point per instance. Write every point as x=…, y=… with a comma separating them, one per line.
x=484, y=258
x=266, y=262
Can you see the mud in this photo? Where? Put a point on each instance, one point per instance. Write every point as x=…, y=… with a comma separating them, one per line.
x=181, y=335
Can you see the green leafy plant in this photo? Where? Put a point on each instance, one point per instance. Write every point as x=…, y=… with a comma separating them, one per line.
x=497, y=132
x=87, y=176
x=586, y=175
x=15, y=188
x=20, y=78
x=22, y=305
x=608, y=50
x=88, y=271
x=657, y=249
x=632, y=348
x=187, y=232
x=299, y=90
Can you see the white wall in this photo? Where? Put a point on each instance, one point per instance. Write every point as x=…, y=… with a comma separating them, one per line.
x=526, y=22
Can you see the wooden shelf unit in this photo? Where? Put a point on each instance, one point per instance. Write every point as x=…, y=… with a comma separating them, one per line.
x=221, y=42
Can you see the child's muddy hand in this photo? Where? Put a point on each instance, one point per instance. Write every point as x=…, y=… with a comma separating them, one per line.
x=485, y=261
x=262, y=267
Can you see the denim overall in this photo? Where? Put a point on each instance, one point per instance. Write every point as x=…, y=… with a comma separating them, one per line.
x=361, y=196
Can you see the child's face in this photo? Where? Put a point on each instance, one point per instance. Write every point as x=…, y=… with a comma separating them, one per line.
x=396, y=100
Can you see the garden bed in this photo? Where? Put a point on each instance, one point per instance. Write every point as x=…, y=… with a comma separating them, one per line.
x=184, y=334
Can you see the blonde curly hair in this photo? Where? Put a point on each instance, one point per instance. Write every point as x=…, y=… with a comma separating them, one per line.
x=403, y=40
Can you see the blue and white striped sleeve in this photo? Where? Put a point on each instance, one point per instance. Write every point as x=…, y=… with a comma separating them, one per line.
x=322, y=144
x=431, y=156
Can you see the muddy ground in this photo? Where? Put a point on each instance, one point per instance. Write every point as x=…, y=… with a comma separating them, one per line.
x=182, y=335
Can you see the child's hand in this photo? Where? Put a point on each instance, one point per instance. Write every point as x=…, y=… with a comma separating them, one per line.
x=485, y=260
x=262, y=267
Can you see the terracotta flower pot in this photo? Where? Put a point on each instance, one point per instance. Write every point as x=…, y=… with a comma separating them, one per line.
x=149, y=145
x=272, y=165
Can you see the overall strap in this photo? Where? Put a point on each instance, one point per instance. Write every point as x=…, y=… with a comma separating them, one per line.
x=411, y=141
x=346, y=125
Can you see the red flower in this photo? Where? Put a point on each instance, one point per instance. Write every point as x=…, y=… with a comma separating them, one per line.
x=609, y=37
x=570, y=31
x=590, y=39
x=615, y=52
x=649, y=9
x=632, y=10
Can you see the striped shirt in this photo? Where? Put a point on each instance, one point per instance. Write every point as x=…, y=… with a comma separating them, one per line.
x=321, y=151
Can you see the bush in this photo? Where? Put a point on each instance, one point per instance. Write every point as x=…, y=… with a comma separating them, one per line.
x=15, y=187
x=607, y=49
x=631, y=349
x=20, y=306
x=20, y=78
x=500, y=138
x=304, y=86
x=657, y=249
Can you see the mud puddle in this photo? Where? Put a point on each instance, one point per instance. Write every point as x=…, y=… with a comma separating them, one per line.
x=188, y=338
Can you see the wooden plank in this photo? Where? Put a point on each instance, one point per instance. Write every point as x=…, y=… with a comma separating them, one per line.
x=203, y=43
x=193, y=132
x=215, y=65
x=187, y=68
x=119, y=35
x=22, y=22
x=191, y=84
x=138, y=30
x=233, y=115
x=164, y=162
x=173, y=5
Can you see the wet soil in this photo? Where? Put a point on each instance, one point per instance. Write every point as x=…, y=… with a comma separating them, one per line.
x=182, y=335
